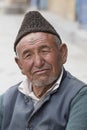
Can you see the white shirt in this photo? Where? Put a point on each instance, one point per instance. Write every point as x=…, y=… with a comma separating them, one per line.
x=26, y=88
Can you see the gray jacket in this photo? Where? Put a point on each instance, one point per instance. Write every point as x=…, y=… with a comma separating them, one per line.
x=51, y=113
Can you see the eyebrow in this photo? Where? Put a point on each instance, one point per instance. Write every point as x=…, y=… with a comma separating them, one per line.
x=44, y=46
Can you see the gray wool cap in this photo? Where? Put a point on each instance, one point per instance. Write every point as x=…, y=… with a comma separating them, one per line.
x=34, y=22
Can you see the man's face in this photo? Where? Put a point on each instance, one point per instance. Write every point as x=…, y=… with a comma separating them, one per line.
x=40, y=58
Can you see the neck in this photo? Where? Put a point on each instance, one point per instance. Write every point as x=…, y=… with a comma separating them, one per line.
x=40, y=91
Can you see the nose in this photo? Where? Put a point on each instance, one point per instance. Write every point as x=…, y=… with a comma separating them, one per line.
x=38, y=61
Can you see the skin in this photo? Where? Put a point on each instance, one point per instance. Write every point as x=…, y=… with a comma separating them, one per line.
x=41, y=59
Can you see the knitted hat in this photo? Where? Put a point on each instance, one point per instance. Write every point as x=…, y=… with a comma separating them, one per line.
x=34, y=22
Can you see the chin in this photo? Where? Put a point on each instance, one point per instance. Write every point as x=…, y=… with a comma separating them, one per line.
x=43, y=82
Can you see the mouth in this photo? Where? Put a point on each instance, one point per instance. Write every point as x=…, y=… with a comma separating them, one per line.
x=42, y=71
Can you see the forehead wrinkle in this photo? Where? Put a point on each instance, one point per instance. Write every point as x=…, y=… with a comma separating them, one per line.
x=37, y=38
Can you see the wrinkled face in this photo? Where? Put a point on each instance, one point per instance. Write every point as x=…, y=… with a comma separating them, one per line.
x=40, y=58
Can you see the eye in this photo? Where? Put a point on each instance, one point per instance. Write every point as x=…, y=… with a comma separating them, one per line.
x=28, y=55
x=45, y=50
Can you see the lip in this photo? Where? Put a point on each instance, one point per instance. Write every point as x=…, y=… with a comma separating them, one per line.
x=42, y=71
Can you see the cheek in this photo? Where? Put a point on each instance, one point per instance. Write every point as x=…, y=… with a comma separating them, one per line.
x=56, y=63
x=27, y=66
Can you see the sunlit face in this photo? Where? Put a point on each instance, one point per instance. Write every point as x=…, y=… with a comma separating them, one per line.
x=40, y=58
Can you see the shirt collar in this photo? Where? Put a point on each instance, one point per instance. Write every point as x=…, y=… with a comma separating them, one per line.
x=26, y=88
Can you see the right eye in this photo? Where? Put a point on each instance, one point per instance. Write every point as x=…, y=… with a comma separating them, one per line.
x=27, y=55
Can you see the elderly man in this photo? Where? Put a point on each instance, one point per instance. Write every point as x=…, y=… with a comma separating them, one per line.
x=50, y=98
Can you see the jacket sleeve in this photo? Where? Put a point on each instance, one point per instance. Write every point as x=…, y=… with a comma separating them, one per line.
x=78, y=111
x=1, y=100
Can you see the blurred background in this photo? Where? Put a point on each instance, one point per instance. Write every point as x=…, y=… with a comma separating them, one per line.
x=69, y=17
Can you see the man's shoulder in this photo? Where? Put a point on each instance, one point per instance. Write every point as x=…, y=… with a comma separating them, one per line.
x=11, y=92
x=74, y=79
x=13, y=88
x=1, y=98
x=71, y=84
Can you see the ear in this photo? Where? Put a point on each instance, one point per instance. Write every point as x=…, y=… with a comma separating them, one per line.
x=17, y=60
x=64, y=52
